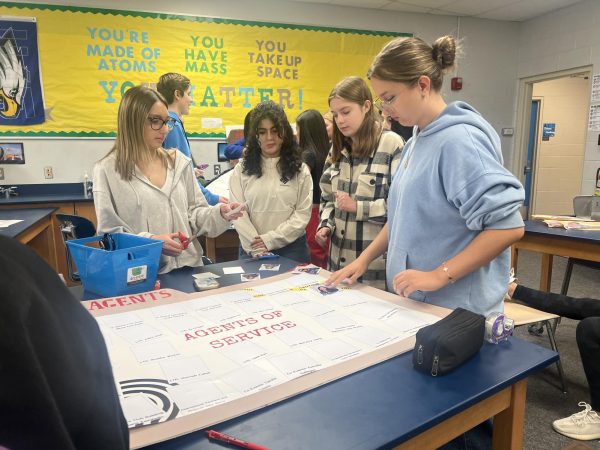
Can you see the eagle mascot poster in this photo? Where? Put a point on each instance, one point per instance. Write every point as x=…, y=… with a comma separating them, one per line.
x=21, y=99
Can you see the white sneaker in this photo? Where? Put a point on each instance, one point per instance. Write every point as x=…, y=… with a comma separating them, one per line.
x=584, y=425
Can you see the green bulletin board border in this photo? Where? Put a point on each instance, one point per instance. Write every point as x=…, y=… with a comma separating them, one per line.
x=163, y=16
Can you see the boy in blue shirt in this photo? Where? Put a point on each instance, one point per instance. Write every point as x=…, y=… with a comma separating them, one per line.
x=176, y=90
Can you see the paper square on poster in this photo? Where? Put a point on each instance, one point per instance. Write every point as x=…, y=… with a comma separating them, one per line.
x=198, y=395
x=244, y=352
x=122, y=320
x=335, y=349
x=295, y=363
x=211, y=122
x=249, y=379
x=139, y=334
x=184, y=370
x=169, y=311
x=138, y=408
x=153, y=351
x=183, y=324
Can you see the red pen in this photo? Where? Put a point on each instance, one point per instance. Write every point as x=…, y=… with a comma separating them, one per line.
x=212, y=434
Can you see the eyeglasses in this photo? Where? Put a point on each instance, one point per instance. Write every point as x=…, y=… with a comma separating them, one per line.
x=156, y=123
x=384, y=104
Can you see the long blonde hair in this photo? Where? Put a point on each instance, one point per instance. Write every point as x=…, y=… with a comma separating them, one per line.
x=130, y=147
x=404, y=60
x=355, y=90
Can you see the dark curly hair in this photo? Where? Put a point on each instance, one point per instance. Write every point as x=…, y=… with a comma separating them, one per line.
x=289, y=159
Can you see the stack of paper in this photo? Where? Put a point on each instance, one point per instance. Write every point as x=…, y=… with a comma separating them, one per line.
x=568, y=222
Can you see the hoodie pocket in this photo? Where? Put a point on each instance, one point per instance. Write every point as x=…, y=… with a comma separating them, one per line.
x=397, y=261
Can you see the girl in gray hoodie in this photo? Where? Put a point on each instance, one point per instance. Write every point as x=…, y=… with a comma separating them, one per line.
x=141, y=188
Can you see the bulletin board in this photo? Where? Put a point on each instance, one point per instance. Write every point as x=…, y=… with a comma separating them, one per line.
x=89, y=57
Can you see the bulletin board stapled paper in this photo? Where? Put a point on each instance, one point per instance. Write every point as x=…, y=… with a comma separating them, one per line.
x=232, y=64
x=184, y=362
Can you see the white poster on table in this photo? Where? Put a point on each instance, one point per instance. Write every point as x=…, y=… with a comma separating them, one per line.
x=217, y=353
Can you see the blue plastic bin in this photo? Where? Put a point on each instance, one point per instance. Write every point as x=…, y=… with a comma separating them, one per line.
x=129, y=269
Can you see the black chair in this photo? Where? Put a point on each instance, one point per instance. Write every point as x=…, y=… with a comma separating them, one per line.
x=569, y=270
x=74, y=227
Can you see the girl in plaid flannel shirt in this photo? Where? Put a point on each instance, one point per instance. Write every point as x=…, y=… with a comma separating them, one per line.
x=356, y=178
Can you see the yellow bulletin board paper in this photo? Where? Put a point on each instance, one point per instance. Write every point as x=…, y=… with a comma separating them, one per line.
x=90, y=56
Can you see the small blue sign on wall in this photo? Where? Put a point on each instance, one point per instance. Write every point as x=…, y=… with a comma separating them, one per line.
x=548, y=131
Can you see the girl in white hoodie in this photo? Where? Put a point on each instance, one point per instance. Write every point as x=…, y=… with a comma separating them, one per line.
x=141, y=188
x=275, y=185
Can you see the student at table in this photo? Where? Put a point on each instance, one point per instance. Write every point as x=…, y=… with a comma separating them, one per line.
x=328, y=117
x=58, y=390
x=584, y=425
x=235, y=150
x=175, y=88
x=314, y=146
x=453, y=207
x=275, y=186
x=141, y=188
x=356, y=178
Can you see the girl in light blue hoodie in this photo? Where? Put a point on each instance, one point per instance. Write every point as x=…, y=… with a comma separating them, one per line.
x=453, y=207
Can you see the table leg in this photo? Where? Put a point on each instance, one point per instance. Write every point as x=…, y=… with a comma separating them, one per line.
x=546, y=273
x=500, y=404
x=211, y=248
x=508, y=424
x=41, y=239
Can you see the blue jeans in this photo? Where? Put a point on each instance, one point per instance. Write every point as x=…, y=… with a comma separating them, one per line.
x=297, y=251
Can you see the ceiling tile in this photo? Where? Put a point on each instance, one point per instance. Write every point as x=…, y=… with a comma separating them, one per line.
x=372, y=4
x=403, y=7
x=476, y=7
x=427, y=3
x=512, y=10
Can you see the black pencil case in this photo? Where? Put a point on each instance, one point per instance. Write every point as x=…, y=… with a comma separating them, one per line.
x=446, y=344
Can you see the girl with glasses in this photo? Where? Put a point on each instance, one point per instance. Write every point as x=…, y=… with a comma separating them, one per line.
x=141, y=188
x=356, y=178
x=276, y=187
x=453, y=207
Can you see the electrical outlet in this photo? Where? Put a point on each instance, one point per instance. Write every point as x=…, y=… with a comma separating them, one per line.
x=1, y=173
x=217, y=169
x=48, y=173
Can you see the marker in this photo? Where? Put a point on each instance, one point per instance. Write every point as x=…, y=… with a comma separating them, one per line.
x=212, y=434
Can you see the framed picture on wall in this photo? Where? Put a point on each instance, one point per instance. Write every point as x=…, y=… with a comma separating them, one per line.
x=12, y=153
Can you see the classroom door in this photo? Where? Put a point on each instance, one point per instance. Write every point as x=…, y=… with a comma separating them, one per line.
x=531, y=148
x=560, y=143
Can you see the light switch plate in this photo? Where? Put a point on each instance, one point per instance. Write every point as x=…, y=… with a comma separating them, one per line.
x=1, y=173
